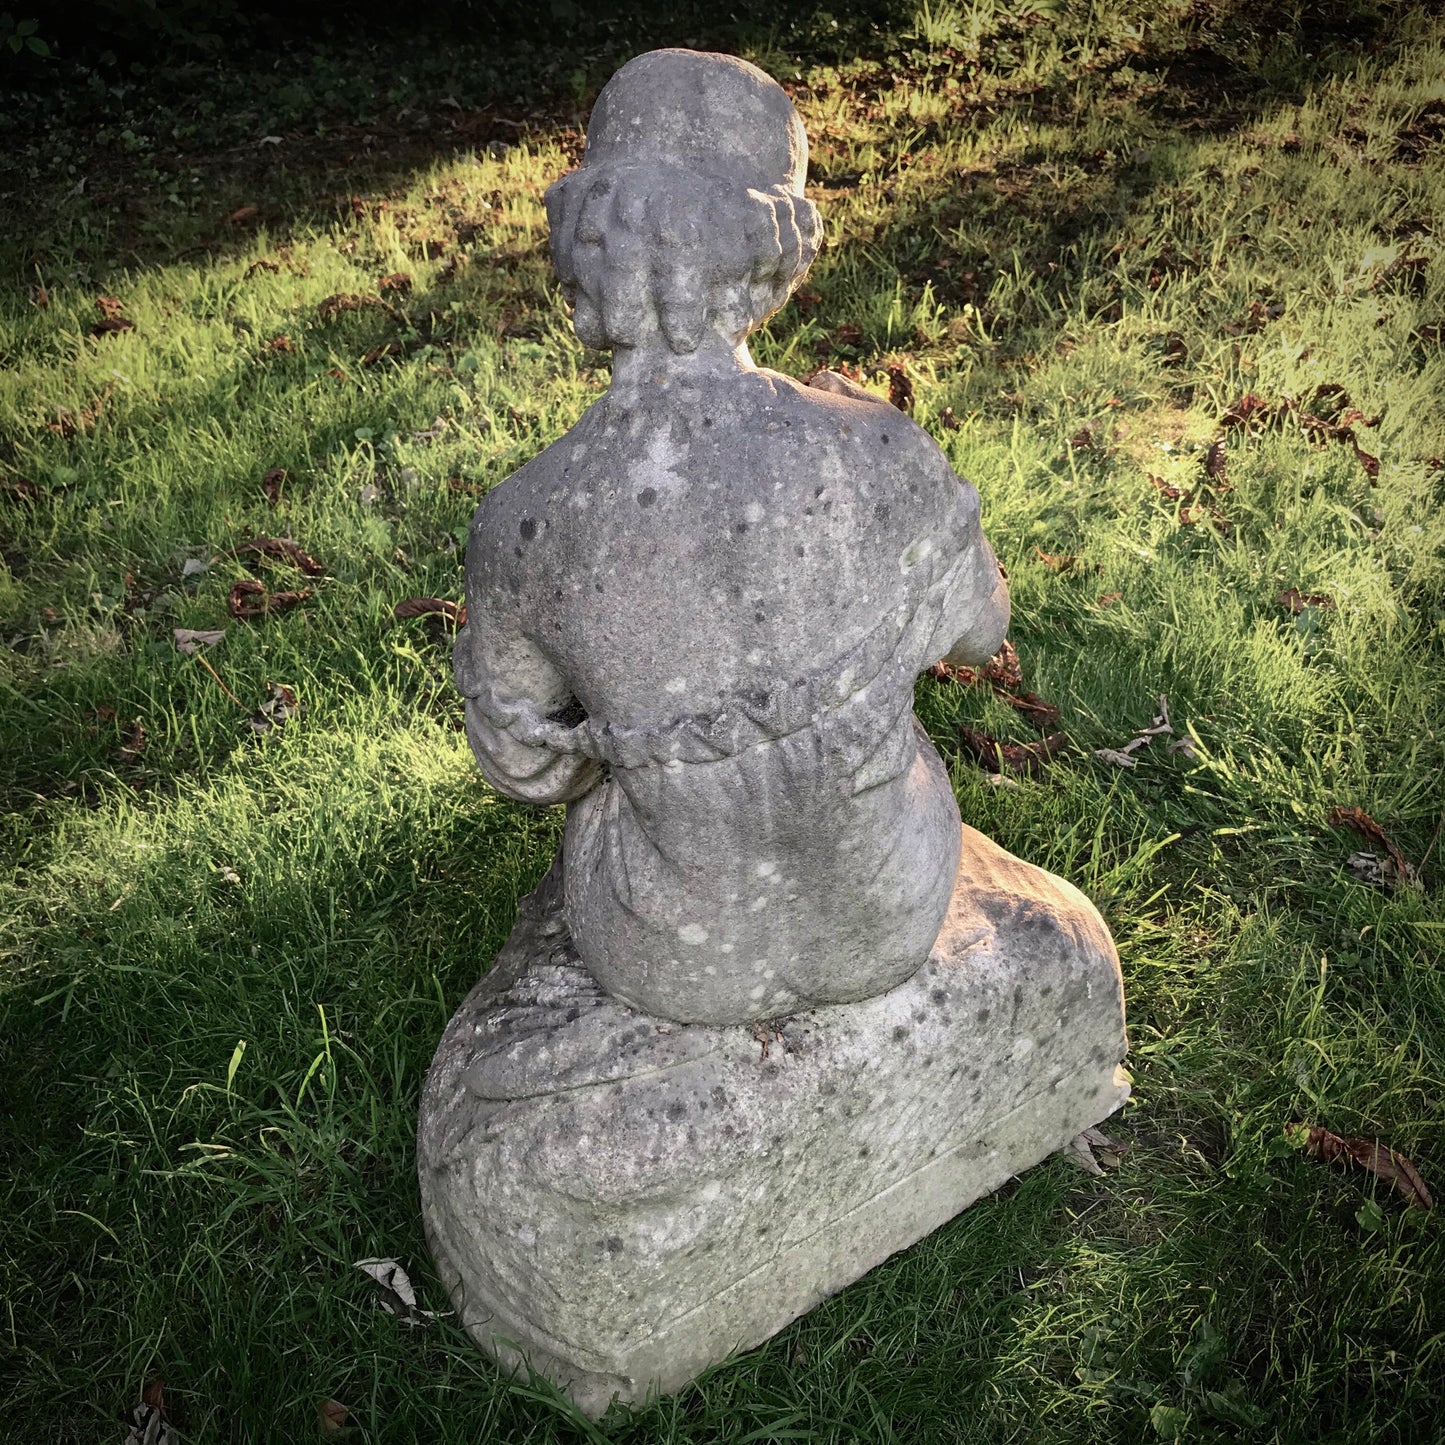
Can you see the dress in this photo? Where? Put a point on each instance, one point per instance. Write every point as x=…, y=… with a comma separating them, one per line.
x=736, y=847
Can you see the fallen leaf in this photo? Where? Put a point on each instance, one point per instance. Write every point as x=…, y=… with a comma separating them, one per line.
x=110, y=325
x=282, y=343
x=110, y=308
x=1296, y=601
x=243, y=214
x=1216, y=461
x=278, y=709
x=1086, y=439
x=272, y=480
x=1361, y=822
x=23, y=490
x=134, y=745
x=1043, y=715
x=900, y=388
x=397, y=1295
x=1245, y=410
x=850, y=333
x=1056, y=561
x=1004, y=669
x=1107, y=599
x=282, y=549
x=1120, y=757
x=398, y=281
x=1370, y=463
x=1384, y=1163
x=1025, y=758
x=154, y=1394
x=379, y=353
x=331, y=1417
x=1170, y=491
x=334, y=305
x=1081, y=1148
x=264, y=263
x=40, y=297
x=422, y=606
x=249, y=598
x=188, y=640
x=147, y=1425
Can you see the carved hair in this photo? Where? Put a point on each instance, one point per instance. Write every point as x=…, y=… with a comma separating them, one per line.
x=645, y=247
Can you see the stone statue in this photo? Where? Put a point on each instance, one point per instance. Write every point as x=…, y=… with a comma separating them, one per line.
x=774, y=1007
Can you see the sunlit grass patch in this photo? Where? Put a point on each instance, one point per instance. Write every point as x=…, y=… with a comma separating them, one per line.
x=1085, y=240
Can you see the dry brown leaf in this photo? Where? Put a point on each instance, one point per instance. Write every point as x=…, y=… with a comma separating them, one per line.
x=1362, y=823
x=110, y=307
x=1056, y=561
x=249, y=598
x=110, y=325
x=900, y=388
x=331, y=1417
x=278, y=709
x=1296, y=601
x=1383, y=1162
x=272, y=480
x=280, y=343
x=398, y=281
x=282, y=549
x=1216, y=462
x=334, y=305
x=1003, y=669
x=379, y=353
x=189, y=640
x=22, y=489
x=242, y=215
x=422, y=606
x=135, y=743
x=1024, y=758
x=1107, y=599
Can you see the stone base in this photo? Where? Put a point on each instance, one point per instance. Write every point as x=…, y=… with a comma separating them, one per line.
x=621, y=1201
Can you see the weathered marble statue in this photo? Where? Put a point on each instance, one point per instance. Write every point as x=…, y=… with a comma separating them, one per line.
x=774, y=1013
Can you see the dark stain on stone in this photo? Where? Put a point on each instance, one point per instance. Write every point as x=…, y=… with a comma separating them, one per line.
x=676, y=1111
x=983, y=1016
x=939, y=996
x=528, y=529
x=900, y=1033
x=740, y=528
x=647, y=496
x=884, y=438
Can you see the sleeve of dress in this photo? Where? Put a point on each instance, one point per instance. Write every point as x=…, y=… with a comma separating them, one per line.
x=975, y=606
x=509, y=687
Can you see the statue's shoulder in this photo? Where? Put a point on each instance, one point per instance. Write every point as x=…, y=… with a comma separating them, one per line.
x=868, y=425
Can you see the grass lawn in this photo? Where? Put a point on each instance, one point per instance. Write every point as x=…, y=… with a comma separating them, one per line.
x=1167, y=281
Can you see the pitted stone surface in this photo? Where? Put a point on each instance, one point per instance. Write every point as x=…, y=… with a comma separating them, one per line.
x=602, y=1188
x=775, y=1013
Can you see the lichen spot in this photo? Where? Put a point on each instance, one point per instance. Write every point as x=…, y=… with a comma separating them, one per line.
x=692, y=933
x=758, y=991
x=766, y=869
x=675, y=685
x=914, y=553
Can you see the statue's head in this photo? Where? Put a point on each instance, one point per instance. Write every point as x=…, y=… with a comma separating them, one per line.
x=687, y=216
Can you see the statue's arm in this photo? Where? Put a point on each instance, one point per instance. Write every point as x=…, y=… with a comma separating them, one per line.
x=976, y=610
x=506, y=679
